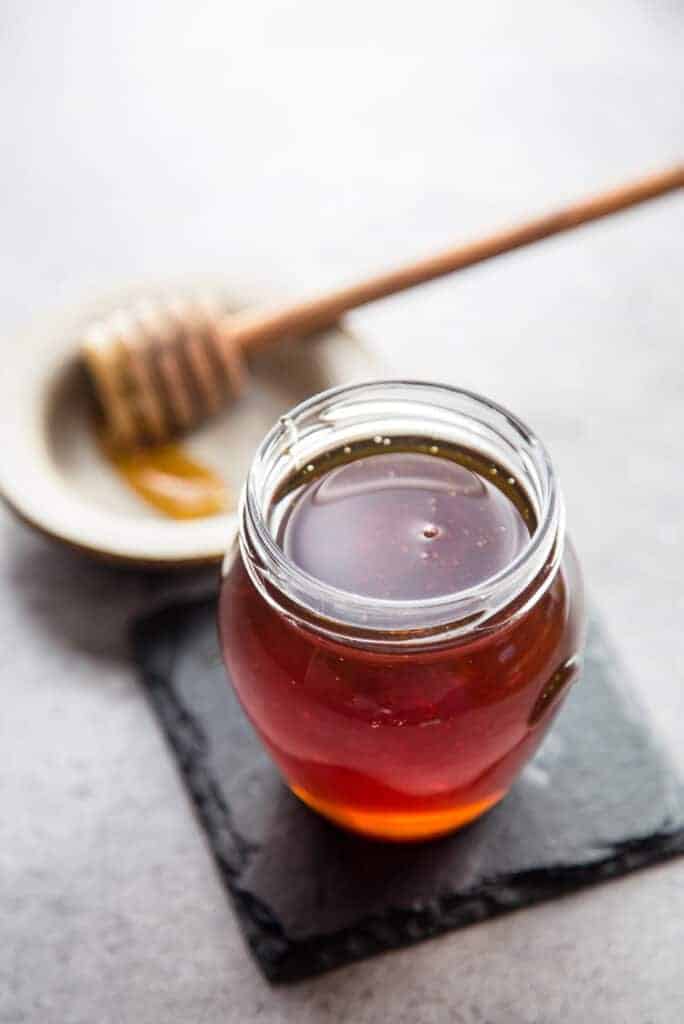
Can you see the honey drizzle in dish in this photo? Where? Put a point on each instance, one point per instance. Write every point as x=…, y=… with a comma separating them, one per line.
x=169, y=480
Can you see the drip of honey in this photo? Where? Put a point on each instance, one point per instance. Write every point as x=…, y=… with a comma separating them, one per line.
x=169, y=480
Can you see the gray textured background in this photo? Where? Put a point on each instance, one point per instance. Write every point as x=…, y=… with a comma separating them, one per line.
x=299, y=144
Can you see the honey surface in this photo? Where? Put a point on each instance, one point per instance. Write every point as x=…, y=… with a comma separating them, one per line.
x=404, y=525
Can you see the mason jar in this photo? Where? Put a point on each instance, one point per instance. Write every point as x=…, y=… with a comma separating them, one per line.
x=400, y=718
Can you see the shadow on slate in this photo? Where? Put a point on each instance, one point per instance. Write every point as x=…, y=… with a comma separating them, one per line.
x=598, y=801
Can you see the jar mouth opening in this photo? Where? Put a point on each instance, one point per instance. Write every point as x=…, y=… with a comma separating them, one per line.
x=393, y=408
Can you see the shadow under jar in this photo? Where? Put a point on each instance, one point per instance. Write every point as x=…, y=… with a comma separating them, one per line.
x=403, y=613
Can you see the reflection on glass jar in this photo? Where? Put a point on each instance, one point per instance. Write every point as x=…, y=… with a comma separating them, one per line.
x=403, y=613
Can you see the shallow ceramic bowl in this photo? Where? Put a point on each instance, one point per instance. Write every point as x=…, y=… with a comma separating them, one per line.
x=53, y=476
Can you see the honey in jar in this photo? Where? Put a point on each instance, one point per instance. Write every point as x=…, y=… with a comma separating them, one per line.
x=402, y=615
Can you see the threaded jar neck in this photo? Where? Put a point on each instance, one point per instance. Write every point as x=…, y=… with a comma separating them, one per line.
x=395, y=409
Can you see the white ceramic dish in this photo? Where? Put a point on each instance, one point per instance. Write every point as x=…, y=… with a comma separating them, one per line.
x=53, y=476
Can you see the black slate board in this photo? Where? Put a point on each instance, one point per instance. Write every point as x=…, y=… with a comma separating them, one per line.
x=599, y=800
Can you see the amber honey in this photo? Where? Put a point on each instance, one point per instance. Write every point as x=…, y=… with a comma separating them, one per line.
x=169, y=480
x=401, y=731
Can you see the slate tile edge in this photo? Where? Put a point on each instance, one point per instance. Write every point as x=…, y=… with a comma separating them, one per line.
x=282, y=959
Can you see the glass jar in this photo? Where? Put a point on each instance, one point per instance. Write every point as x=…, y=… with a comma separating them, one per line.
x=401, y=719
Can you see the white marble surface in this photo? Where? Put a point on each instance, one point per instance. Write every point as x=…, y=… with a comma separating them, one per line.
x=299, y=144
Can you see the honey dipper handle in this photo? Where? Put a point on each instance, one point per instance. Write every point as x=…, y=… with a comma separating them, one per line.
x=321, y=312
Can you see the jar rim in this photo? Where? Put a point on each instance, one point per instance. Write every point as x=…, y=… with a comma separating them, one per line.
x=336, y=612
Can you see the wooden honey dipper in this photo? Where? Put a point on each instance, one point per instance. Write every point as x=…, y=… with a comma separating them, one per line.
x=161, y=368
